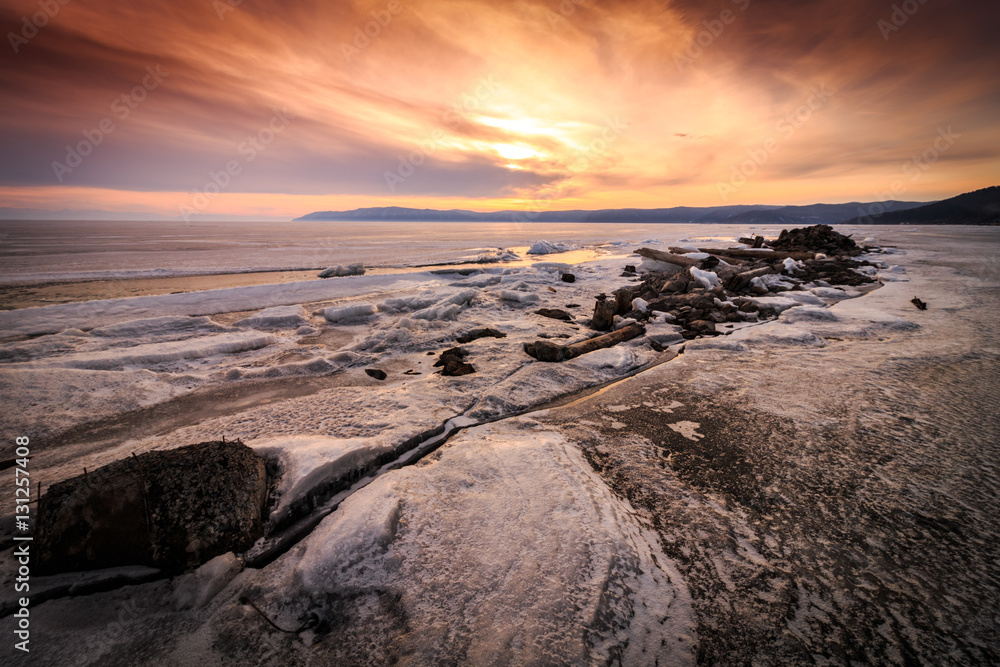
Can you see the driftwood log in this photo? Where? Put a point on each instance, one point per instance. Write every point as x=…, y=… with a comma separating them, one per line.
x=747, y=253
x=728, y=259
x=741, y=280
x=544, y=350
x=668, y=257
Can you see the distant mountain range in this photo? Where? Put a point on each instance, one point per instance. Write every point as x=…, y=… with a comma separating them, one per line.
x=813, y=214
x=981, y=207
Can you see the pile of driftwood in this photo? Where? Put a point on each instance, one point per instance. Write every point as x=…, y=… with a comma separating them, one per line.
x=698, y=293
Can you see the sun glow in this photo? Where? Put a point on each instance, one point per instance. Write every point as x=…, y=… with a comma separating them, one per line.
x=515, y=152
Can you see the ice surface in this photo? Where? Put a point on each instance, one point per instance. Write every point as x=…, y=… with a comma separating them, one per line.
x=546, y=248
x=278, y=317
x=91, y=314
x=153, y=354
x=501, y=548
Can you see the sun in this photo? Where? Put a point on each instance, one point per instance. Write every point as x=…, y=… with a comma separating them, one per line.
x=515, y=151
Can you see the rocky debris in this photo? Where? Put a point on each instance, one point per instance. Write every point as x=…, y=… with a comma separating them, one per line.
x=376, y=373
x=918, y=303
x=341, y=270
x=818, y=238
x=453, y=362
x=555, y=314
x=172, y=510
x=544, y=350
x=755, y=242
x=713, y=288
x=476, y=334
x=568, y=278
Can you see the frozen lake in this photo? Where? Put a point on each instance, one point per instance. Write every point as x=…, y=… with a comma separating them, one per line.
x=40, y=250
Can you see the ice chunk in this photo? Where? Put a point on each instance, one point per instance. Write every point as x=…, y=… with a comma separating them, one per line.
x=810, y=314
x=444, y=311
x=657, y=266
x=519, y=297
x=197, y=589
x=829, y=292
x=640, y=304
x=697, y=255
x=341, y=270
x=308, y=461
x=346, y=313
x=778, y=304
x=498, y=255
x=707, y=279
x=278, y=317
x=805, y=298
x=463, y=298
x=546, y=248
x=485, y=281
x=403, y=304
x=792, y=267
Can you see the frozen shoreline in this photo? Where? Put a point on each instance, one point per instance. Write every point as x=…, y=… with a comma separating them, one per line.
x=389, y=584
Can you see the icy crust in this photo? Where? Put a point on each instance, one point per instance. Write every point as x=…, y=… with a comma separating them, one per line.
x=505, y=549
x=89, y=314
x=307, y=461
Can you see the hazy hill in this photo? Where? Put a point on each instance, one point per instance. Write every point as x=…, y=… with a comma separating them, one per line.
x=738, y=214
x=981, y=207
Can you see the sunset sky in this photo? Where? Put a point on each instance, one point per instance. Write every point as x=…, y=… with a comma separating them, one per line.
x=258, y=108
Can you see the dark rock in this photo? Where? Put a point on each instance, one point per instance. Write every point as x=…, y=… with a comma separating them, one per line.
x=678, y=283
x=629, y=268
x=173, y=510
x=457, y=368
x=604, y=313
x=702, y=327
x=568, y=278
x=476, y=334
x=376, y=373
x=708, y=263
x=748, y=307
x=717, y=316
x=453, y=363
x=918, y=303
x=548, y=336
x=572, y=305
x=554, y=314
